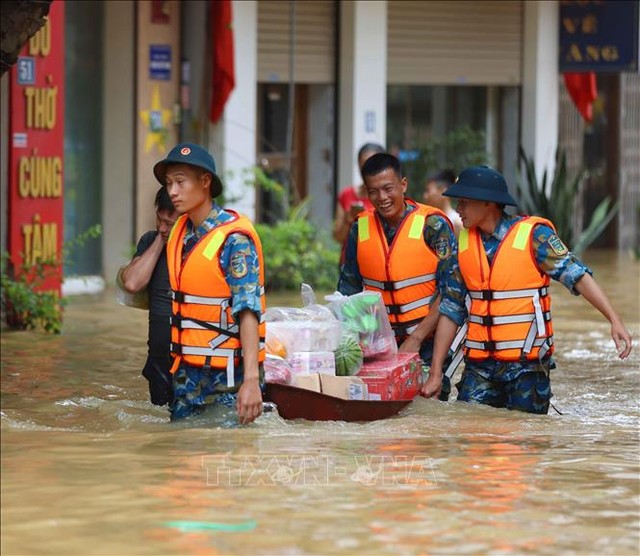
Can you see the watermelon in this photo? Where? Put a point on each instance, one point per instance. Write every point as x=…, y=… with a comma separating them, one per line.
x=348, y=357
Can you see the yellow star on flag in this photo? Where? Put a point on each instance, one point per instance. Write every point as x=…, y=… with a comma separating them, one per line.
x=156, y=121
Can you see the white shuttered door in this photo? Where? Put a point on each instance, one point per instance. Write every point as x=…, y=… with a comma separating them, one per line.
x=314, y=41
x=454, y=43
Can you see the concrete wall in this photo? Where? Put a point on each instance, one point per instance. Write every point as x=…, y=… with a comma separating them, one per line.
x=118, y=139
x=363, y=82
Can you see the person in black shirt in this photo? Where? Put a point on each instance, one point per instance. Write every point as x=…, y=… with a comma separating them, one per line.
x=148, y=272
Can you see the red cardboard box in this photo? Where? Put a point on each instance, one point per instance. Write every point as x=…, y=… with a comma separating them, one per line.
x=396, y=378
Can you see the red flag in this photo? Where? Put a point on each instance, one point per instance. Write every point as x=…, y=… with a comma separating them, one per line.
x=583, y=91
x=223, y=80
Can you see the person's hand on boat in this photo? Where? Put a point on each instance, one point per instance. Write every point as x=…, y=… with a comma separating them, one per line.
x=249, y=401
x=432, y=387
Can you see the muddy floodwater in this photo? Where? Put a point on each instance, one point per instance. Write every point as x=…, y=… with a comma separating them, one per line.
x=89, y=466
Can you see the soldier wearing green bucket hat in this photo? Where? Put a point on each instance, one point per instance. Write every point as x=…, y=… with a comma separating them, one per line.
x=216, y=271
x=497, y=286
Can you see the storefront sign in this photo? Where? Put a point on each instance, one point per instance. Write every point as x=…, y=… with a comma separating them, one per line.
x=36, y=154
x=160, y=62
x=598, y=35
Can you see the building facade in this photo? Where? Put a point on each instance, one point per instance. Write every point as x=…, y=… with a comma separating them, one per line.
x=314, y=80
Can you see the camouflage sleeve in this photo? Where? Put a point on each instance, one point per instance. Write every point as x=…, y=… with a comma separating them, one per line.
x=554, y=258
x=441, y=240
x=453, y=290
x=350, y=280
x=241, y=267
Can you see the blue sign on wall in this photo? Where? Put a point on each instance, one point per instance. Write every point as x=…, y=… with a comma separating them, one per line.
x=160, y=62
x=599, y=35
x=26, y=70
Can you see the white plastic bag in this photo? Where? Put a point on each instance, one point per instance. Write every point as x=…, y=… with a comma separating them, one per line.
x=365, y=315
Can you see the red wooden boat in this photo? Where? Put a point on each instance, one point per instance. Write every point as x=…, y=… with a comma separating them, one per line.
x=298, y=403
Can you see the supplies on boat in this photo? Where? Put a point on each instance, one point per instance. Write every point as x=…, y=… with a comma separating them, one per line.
x=348, y=356
x=276, y=370
x=332, y=339
x=365, y=316
x=398, y=377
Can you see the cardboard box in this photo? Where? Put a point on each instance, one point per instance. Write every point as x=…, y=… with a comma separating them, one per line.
x=305, y=335
x=307, y=381
x=323, y=362
x=396, y=378
x=344, y=387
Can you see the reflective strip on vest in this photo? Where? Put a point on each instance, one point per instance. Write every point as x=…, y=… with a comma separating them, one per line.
x=499, y=346
x=509, y=294
x=203, y=300
x=394, y=286
x=456, y=348
x=508, y=319
x=229, y=354
x=399, y=309
x=198, y=299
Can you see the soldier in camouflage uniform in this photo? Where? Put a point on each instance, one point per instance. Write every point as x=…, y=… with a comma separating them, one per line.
x=492, y=379
x=189, y=174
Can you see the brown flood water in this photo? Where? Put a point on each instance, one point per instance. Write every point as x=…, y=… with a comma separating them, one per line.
x=89, y=466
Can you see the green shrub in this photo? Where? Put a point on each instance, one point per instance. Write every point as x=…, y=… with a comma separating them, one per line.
x=459, y=149
x=296, y=251
x=24, y=304
x=555, y=200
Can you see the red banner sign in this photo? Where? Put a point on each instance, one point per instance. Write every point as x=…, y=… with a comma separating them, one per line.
x=36, y=150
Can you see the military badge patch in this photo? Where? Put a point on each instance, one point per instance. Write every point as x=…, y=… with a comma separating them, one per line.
x=443, y=249
x=558, y=247
x=239, y=267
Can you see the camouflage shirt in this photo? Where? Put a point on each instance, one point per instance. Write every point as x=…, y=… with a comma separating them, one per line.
x=552, y=257
x=238, y=260
x=437, y=236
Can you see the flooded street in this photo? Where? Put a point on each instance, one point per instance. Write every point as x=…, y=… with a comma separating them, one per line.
x=89, y=466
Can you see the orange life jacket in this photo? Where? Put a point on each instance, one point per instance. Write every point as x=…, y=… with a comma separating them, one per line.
x=203, y=332
x=510, y=305
x=403, y=272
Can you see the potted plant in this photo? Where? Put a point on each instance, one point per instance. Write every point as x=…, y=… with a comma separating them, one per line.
x=555, y=199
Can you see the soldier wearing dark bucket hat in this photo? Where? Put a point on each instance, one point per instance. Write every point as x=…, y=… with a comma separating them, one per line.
x=194, y=155
x=503, y=267
x=216, y=271
x=481, y=183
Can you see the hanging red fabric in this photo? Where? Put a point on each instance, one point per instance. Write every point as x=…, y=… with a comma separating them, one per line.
x=223, y=80
x=583, y=91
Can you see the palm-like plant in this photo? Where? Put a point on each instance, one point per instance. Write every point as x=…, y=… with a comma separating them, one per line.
x=555, y=199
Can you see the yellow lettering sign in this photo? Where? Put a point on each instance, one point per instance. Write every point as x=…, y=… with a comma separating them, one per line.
x=40, y=242
x=570, y=24
x=40, y=43
x=610, y=53
x=574, y=54
x=590, y=25
x=40, y=177
x=41, y=107
x=593, y=53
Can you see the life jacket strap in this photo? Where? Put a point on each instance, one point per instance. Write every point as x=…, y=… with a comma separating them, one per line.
x=190, y=323
x=390, y=285
x=492, y=346
x=405, y=328
x=400, y=309
x=489, y=295
x=489, y=320
x=182, y=297
x=228, y=353
x=456, y=351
